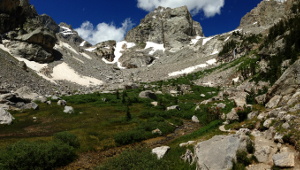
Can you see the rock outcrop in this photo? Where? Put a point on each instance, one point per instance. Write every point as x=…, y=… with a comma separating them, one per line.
x=286, y=90
x=32, y=36
x=171, y=27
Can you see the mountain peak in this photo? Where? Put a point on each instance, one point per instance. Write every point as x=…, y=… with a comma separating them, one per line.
x=171, y=27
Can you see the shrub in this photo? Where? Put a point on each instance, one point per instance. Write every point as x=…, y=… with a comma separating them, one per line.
x=67, y=138
x=36, y=155
x=243, y=114
x=132, y=136
x=140, y=158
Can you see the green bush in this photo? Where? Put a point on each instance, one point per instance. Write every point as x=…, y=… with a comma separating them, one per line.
x=243, y=114
x=132, y=136
x=67, y=138
x=140, y=158
x=25, y=155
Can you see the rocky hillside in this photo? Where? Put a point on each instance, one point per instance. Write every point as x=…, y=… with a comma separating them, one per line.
x=242, y=87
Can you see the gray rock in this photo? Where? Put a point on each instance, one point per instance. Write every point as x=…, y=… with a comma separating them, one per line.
x=278, y=138
x=69, y=109
x=261, y=99
x=160, y=151
x=284, y=159
x=286, y=125
x=252, y=115
x=5, y=117
x=221, y=148
x=31, y=105
x=187, y=143
x=221, y=105
x=148, y=94
x=157, y=131
x=195, y=119
x=61, y=102
x=26, y=93
x=267, y=123
x=232, y=115
x=274, y=102
x=175, y=107
x=188, y=157
x=105, y=50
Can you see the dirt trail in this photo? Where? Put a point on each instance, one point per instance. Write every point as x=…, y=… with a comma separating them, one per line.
x=92, y=159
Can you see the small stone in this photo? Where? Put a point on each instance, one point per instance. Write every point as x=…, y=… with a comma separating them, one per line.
x=160, y=151
x=157, y=131
x=286, y=125
x=195, y=119
x=69, y=109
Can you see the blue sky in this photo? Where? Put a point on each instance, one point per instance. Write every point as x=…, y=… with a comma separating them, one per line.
x=110, y=19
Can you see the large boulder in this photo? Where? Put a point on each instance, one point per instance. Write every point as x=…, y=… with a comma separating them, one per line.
x=26, y=93
x=284, y=159
x=171, y=27
x=105, y=50
x=219, y=151
x=5, y=117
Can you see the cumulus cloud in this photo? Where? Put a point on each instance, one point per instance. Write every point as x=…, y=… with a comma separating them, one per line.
x=209, y=7
x=103, y=31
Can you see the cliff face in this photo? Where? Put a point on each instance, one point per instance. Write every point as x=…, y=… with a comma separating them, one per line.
x=171, y=27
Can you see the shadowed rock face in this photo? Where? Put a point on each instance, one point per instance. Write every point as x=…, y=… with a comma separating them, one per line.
x=32, y=36
x=171, y=27
x=13, y=14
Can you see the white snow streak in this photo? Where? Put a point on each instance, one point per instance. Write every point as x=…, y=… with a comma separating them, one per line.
x=91, y=49
x=66, y=45
x=82, y=44
x=206, y=40
x=86, y=56
x=193, y=68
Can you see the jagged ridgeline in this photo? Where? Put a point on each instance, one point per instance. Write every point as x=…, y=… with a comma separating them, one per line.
x=166, y=97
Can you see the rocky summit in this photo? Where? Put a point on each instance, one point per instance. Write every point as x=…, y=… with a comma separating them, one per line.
x=165, y=97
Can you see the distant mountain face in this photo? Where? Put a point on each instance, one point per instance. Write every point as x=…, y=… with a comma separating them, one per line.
x=166, y=44
x=266, y=14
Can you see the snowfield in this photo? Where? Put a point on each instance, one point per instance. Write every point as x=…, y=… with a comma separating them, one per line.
x=64, y=72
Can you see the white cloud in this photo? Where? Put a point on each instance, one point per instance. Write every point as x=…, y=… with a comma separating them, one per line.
x=103, y=31
x=209, y=7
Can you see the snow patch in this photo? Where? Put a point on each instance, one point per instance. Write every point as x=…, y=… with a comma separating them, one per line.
x=82, y=44
x=236, y=79
x=227, y=39
x=66, y=31
x=37, y=67
x=91, y=49
x=206, y=40
x=64, y=72
x=118, y=52
x=155, y=47
x=195, y=40
x=254, y=23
